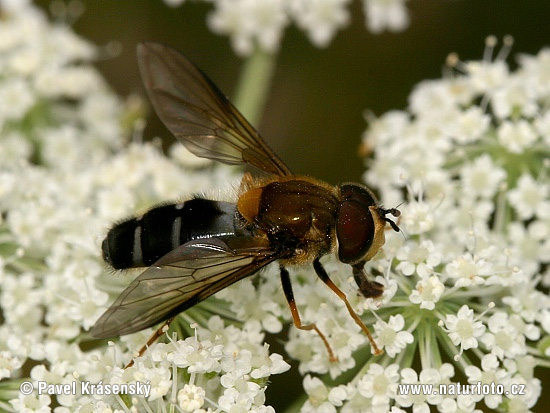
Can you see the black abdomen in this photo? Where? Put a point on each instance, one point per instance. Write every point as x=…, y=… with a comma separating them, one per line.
x=140, y=242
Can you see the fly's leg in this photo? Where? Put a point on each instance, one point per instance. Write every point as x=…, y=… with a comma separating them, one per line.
x=160, y=331
x=287, y=288
x=369, y=289
x=321, y=272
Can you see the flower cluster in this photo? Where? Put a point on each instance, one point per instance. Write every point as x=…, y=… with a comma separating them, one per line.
x=261, y=23
x=42, y=69
x=221, y=367
x=468, y=161
x=64, y=179
x=463, y=300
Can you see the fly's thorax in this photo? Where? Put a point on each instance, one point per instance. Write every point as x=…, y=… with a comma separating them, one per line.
x=248, y=204
x=295, y=213
x=284, y=194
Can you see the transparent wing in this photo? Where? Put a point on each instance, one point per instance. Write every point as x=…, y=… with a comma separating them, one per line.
x=181, y=279
x=198, y=114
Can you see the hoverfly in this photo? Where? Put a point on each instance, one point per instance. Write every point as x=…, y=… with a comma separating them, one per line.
x=198, y=247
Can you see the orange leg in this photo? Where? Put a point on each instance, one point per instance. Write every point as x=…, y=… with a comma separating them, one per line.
x=160, y=331
x=287, y=288
x=321, y=272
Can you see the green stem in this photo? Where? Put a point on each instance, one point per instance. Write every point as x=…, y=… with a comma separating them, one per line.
x=433, y=349
x=424, y=359
x=254, y=85
x=543, y=363
x=501, y=212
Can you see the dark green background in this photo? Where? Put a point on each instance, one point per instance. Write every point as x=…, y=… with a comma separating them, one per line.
x=313, y=118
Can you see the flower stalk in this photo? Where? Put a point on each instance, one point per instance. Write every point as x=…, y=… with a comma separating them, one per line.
x=255, y=84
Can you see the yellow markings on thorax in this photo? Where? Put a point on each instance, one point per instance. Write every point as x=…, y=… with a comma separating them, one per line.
x=248, y=204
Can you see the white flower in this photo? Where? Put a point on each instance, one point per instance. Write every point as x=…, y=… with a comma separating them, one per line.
x=526, y=302
x=532, y=243
x=485, y=77
x=468, y=270
x=489, y=373
x=463, y=329
x=89, y=307
x=16, y=98
x=72, y=82
x=428, y=291
x=523, y=402
x=529, y=197
x=462, y=404
x=422, y=400
x=514, y=97
x=432, y=96
x=18, y=291
x=503, y=339
x=529, y=330
x=322, y=306
x=113, y=202
x=385, y=129
x=247, y=21
x=536, y=71
x=473, y=124
x=390, y=337
x=16, y=150
x=481, y=177
x=516, y=137
x=273, y=364
x=420, y=258
x=243, y=398
x=258, y=303
x=32, y=403
x=198, y=357
x=489, y=225
x=382, y=14
x=320, y=18
x=191, y=398
x=8, y=363
x=390, y=289
x=319, y=396
x=96, y=111
x=418, y=218
x=379, y=385
x=158, y=376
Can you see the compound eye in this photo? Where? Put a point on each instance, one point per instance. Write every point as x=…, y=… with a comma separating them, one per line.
x=354, y=231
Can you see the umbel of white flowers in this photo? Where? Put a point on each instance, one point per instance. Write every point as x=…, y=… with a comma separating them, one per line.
x=468, y=158
x=64, y=178
x=251, y=23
